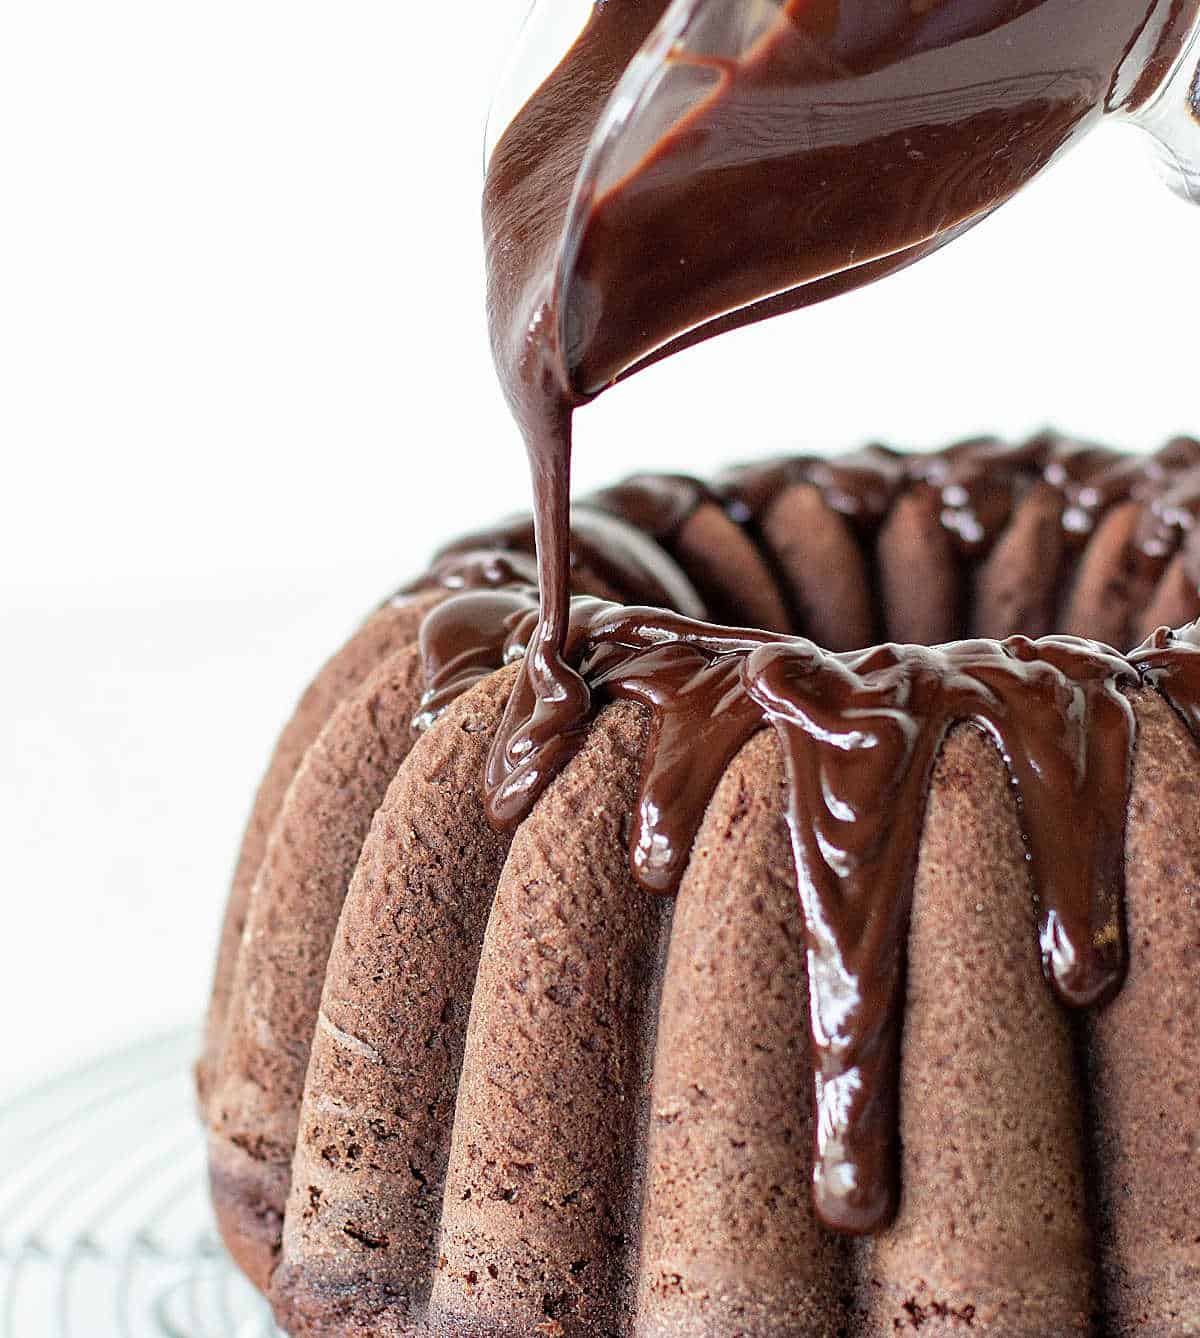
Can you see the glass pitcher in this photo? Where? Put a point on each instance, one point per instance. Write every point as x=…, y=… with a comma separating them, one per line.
x=855, y=137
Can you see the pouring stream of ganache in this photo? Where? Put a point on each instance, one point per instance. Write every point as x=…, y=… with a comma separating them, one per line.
x=842, y=142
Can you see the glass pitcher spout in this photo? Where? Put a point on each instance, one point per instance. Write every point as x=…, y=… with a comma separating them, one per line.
x=1171, y=117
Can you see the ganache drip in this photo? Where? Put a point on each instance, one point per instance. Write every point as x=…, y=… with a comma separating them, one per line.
x=860, y=733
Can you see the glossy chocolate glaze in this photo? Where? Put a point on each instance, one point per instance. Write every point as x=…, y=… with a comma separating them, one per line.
x=979, y=481
x=860, y=733
x=604, y=541
x=1169, y=661
x=845, y=142
x=976, y=486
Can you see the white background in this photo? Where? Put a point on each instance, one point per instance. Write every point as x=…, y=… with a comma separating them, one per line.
x=231, y=237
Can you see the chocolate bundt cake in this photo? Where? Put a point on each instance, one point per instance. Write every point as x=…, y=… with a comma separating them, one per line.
x=911, y=1046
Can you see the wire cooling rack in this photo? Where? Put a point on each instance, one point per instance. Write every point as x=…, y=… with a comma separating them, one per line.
x=105, y=1227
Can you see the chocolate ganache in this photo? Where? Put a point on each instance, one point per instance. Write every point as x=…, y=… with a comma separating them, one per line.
x=842, y=142
x=860, y=730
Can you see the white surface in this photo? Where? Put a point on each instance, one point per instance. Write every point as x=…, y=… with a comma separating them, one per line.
x=230, y=236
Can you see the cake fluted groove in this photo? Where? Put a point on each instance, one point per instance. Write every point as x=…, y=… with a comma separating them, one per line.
x=536, y=1221
x=1114, y=581
x=389, y=629
x=824, y=566
x=1016, y=587
x=1145, y=1094
x=730, y=1242
x=362, y=1220
x=729, y=570
x=920, y=576
x=1173, y=603
x=724, y=563
x=311, y=855
x=991, y=1236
